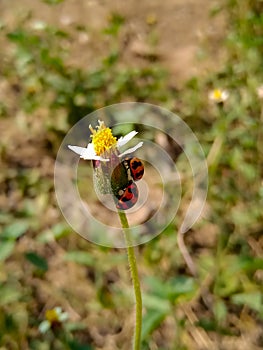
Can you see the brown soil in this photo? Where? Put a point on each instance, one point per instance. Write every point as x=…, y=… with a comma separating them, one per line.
x=182, y=34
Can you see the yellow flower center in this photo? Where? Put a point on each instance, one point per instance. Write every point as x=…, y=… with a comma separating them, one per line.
x=52, y=316
x=217, y=94
x=102, y=138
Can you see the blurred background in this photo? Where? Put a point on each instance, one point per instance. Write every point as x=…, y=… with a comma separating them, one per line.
x=61, y=60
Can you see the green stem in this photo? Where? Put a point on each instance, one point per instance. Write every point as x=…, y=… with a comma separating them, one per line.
x=135, y=280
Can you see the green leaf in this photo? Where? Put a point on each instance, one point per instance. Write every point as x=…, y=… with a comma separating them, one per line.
x=15, y=230
x=181, y=285
x=37, y=260
x=207, y=324
x=123, y=129
x=253, y=300
x=157, y=287
x=250, y=264
x=75, y=345
x=116, y=21
x=156, y=303
x=173, y=288
x=220, y=310
x=17, y=35
x=6, y=248
x=80, y=257
x=151, y=321
x=58, y=231
x=61, y=230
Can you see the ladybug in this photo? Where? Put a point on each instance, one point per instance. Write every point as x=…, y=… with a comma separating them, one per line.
x=122, y=182
x=135, y=167
x=128, y=197
x=130, y=169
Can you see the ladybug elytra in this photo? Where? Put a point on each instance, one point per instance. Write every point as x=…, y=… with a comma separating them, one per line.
x=135, y=166
x=129, y=197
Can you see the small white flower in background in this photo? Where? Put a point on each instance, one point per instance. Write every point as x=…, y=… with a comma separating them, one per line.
x=66, y=20
x=218, y=95
x=104, y=144
x=83, y=38
x=38, y=25
x=52, y=317
x=260, y=92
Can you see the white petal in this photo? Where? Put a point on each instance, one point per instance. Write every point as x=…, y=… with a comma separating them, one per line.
x=131, y=150
x=225, y=95
x=86, y=153
x=63, y=316
x=58, y=310
x=124, y=139
x=44, y=326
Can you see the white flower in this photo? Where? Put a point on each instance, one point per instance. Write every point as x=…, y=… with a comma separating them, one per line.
x=52, y=317
x=218, y=95
x=103, y=142
x=39, y=25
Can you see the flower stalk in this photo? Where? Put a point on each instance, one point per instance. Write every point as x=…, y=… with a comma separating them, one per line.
x=135, y=281
x=111, y=177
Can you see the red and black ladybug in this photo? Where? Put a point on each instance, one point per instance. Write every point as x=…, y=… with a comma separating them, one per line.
x=128, y=197
x=135, y=167
x=122, y=182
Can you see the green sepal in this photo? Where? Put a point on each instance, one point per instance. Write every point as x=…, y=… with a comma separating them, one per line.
x=101, y=180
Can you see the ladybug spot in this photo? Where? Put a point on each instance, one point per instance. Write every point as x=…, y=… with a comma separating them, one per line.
x=120, y=193
x=125, y=199
x=135, y=164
